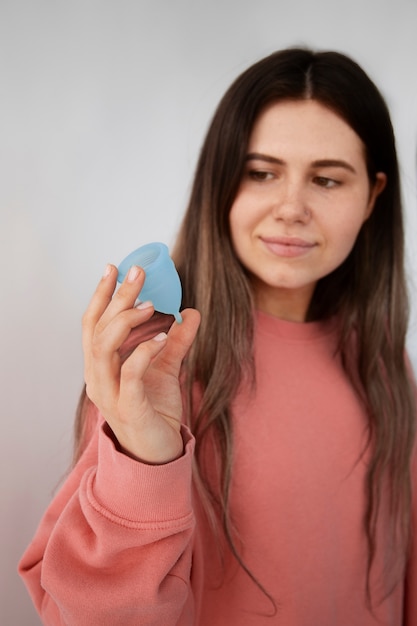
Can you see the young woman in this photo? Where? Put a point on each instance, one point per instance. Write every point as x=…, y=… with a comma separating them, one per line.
x=257, y=467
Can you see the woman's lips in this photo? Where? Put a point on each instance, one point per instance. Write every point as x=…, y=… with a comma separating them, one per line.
x=287, y=246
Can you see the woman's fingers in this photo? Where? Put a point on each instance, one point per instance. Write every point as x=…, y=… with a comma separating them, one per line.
x=134, y=368
x=164, y=352
x=110, y=337
x=99, y=302
x=104, y=307
x=180, y=339
x=125, y=297
x=117, y=388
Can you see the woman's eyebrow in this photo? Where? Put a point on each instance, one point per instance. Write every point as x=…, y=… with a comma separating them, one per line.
x=334, y=163
x=257, y=156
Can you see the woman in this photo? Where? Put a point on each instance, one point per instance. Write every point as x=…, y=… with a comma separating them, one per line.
x=295, y=392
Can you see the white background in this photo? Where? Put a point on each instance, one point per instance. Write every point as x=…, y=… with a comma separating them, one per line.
x=103, y=109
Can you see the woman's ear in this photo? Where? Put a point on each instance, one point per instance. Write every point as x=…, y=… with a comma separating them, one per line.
x=377, y=188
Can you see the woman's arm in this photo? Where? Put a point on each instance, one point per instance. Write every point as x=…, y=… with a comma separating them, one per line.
x=115, y=545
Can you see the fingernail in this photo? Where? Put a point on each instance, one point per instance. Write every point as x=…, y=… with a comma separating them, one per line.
x=144, y=305
x=160, y=337
x=107, y=270
x=132, y=274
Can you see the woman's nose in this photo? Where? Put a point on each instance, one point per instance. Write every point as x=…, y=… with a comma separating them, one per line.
x=290, y=203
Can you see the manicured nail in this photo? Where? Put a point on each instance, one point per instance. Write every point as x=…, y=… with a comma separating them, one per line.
x=107, y=270
x=132, y=274
x=160, y=337
x=144, y=305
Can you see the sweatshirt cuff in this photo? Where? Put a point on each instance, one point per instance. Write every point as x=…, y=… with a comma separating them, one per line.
x=139, y=493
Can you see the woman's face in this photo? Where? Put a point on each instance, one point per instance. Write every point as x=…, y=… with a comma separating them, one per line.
x=303, y=198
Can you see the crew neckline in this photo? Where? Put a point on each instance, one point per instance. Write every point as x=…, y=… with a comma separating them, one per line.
x=265, y=322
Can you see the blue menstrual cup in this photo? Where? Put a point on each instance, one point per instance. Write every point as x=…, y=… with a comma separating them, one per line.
x=162, y=284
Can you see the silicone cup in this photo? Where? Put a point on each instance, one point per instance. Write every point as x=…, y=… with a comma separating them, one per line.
x=162, y=284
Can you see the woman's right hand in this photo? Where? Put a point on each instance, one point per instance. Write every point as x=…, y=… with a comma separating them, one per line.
x=140, y=397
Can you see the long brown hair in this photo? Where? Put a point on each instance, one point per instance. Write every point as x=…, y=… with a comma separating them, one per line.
x=368, y=292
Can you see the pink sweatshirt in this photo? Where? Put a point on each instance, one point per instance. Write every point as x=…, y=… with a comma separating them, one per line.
x=124, y=543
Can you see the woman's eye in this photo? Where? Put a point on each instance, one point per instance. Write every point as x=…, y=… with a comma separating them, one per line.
x=326, y=183
x=260, y=175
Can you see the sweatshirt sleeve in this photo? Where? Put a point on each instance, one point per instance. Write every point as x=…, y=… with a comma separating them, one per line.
x=115, y=545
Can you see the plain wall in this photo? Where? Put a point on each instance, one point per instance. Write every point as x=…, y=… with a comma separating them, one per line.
x=103, y=108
